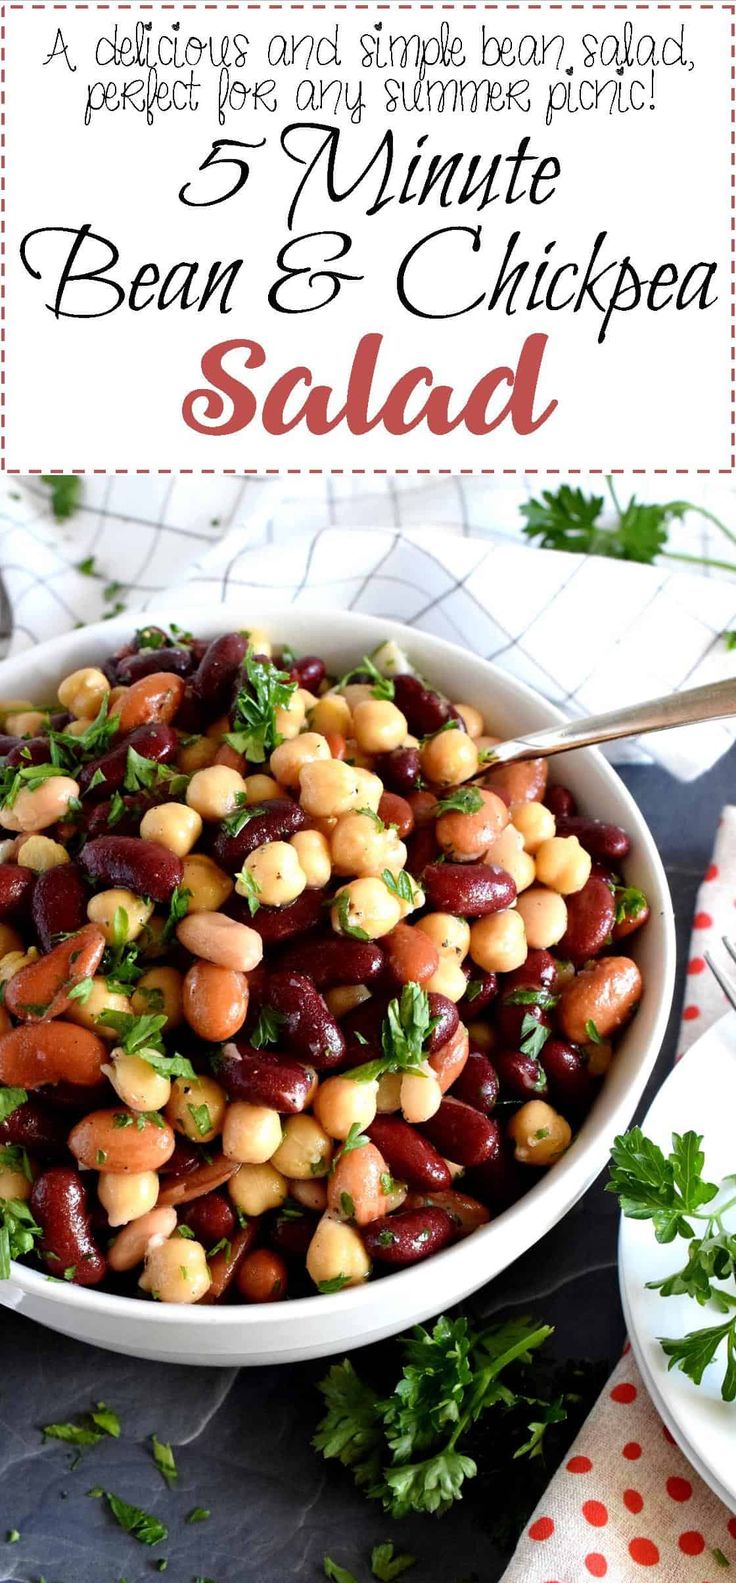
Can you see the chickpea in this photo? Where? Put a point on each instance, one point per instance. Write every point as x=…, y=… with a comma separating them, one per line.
x=153, y=941
x=464, y=836
x=77, y=728
x=215, y=792
x=356, y=693
x=120, y=914
x=208, y=885
x=421, y=1095
x=342, y=1102
x=261, y=788
x=25, y=723
x=160, y=990
x=176, y=1271
x=99, y=1000
x=534, y=822
x=289, y=718
x=545, y=917
x=275, y=872
x=563, y=864
x=44, y=805
x=378, y=725
x=370, y=906
x=417, y=899
x=196, y=1108
x=331, y=788
x=10, y=940
x=131, y=1244
x=127, y=1197
x=598, y=1057
x=507, y=851
x=257, y=1188
x=260, y=643
x=40, y=853
x=82, y=692
x=13, y=961
x=345, y=997
x=14, y=1183
x=362, y=846
x=472, y=720
x=449, y=935
x=251, y=1133
x=498, y=941
x=288, y=759
x=312, y=1195
x=305, y=1149
x=137, y=1084
x=539, y=1134
x=353, y=755
x=221, y=940
x=448, y=979
x=449, y=758
x=196, y=755
x=336, y=1252
x=174, y=826
x=389, y=1093
x=331, y=713
x=313, y=851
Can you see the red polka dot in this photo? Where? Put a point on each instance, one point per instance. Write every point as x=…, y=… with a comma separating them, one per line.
x=542, y=1528
x=690, y=1013
x=691, y=1543
x=644, y=1552
x=579, y=1465
x=631, y=1451
x=732, y=1527
x=596, y=1564
x=633, y=1501
x=696, y=966
x=668, y=1437
x=679, y=1489
x=595, y=1513
x=702, y=920
x=712, y=872
x=623, y=1393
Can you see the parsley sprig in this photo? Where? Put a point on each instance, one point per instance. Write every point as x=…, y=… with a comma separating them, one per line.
x=671, y=1191
x=568, y=519
x=264, y=690
x=382, y=686
x=18, y=1233
x=404, y=1033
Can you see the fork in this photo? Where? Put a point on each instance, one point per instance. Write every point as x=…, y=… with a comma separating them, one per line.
x=729, y=989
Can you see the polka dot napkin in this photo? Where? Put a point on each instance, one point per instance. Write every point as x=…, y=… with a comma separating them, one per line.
x=626, y=1505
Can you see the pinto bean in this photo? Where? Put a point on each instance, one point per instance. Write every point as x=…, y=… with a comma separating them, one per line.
x=225, y=1265
x=275, y=925
x=308, y=1026
x=152, y=700
x=395, y=810
x=466, y=1213
x=524, y=782
x=478, y=1083
x=35, y=1126
x=281, y=819
x=59, y=904
x=219, y=670
x=410, y=1157
x=16, y=889
x=425, y=710
x=214, y=1000
x=408, y=1236
x=333, y=961
x=67, y=1247
x=145, y=867
x=410, y=955
x=520, y=1075
x=102, y=1144
x=591, y=915
x=606, y=842
x=461, y=1133
x=603, y=995
x=262, y=1078
x=157, y=742
x=470, y=890
x=560, y=801
x=38, y=1053
x=399, y=770
x=131, y=1244
x=181, y=1189
x=354, y=1187
x=448, y=1061
x=210, y=1217
x=42, y=990
x=148, y=661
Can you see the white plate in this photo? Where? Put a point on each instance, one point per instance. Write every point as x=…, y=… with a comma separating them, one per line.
x=699, y=1096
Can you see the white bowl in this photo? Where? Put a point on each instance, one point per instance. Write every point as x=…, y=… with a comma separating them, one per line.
x=319, y=1325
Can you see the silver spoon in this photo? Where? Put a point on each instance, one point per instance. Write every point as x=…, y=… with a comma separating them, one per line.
x=712, y=702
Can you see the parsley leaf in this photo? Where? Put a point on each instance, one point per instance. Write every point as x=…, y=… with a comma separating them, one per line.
x=163, y=1457
x=11, y=1099
x=335, y=1573
x=342, y=909
x=243, y=813
x=148, y=1530
x=18, y=1232
x=264, y=690
x=467, y=799
x=382, y=686
x=629, y=901
x=401, y=884
x=534, y=1036
x=65, y=493
x=387, y=1565
x=404, y=1034
x=267, y=1028
x=248, y=887
x=136, y=1035
x=88, y=1430
x=567, y=519
x=142, y=774
x=667, y=1190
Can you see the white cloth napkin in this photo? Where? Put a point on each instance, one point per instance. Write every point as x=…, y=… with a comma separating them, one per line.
x=590, y=634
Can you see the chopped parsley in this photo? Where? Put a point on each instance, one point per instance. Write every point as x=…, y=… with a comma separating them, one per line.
x=342, y=908
x=382, y=686
x=14, y=779
x=401, y=885
x=18, y=1232
x=406, y=1029
x=243, y=814
x=163, y=1457
x=136, y=1035
x=10, y=1100
x=467, y=799
x=88, y=1430
x=198, y=1514
x=247, y=886
x=267, y=1028
x=65, y=493
x=534, y=1036
x=264, y=690
x=629, y=902
x=592, y=1032
x=336, y=1284
x=178, y=909
x=201, y=1117
x=142, y=774
x=141, y=1525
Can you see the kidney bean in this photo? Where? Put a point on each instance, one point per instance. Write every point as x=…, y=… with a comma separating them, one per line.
x=308, y=1026
x=570, y=1084
x=59, y=1204
x=631, y=922
x=361, y=1029
x=292, y=1233
x=500, y=1180
x=219, y=669
x=263, y=1277
x=330, y=961
x=145, y=867
x=591, y=915
x=7, y=743
x=509, y=1021
x=448, y=1019
x=59, y=904
x=263, y=1078
x=425, y=710
x=35, y=1126
x=181, y=1189
x=152, y=699
x=461, y=1133
x=466, y=1213
x=606, y=842
x=537, y=972
x=281, y=819
x=127, y=820
x=470, y=890
x=482, y=989
x=478, y=1083
x=410, y=956
x=395, y=810
x=41, y=990
x=187, y=1157
x=224, y=1266
x=99, y=1142
x=210, y=1217
x=520, y=1075
x=309, y=672
x=38, y=1053
x=410, y=1157
x=16, y=888
x=524, y=782
x=421, y=850
x=148, y=661
x=560, y=801
x=30, y=750
x=191, y=716
x=278, y=924
x=399, y=770
x=157, y=742
x=603, y=995
x=408, y=1236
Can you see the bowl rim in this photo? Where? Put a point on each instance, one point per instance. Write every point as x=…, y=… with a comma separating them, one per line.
x=558, y=1191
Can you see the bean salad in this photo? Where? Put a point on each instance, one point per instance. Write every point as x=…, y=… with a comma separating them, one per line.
x=296, y=987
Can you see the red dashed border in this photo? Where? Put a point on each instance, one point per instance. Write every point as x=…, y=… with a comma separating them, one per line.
x=725, y=6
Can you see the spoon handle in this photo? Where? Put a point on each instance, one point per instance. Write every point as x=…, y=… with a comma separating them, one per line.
x=712, y=702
